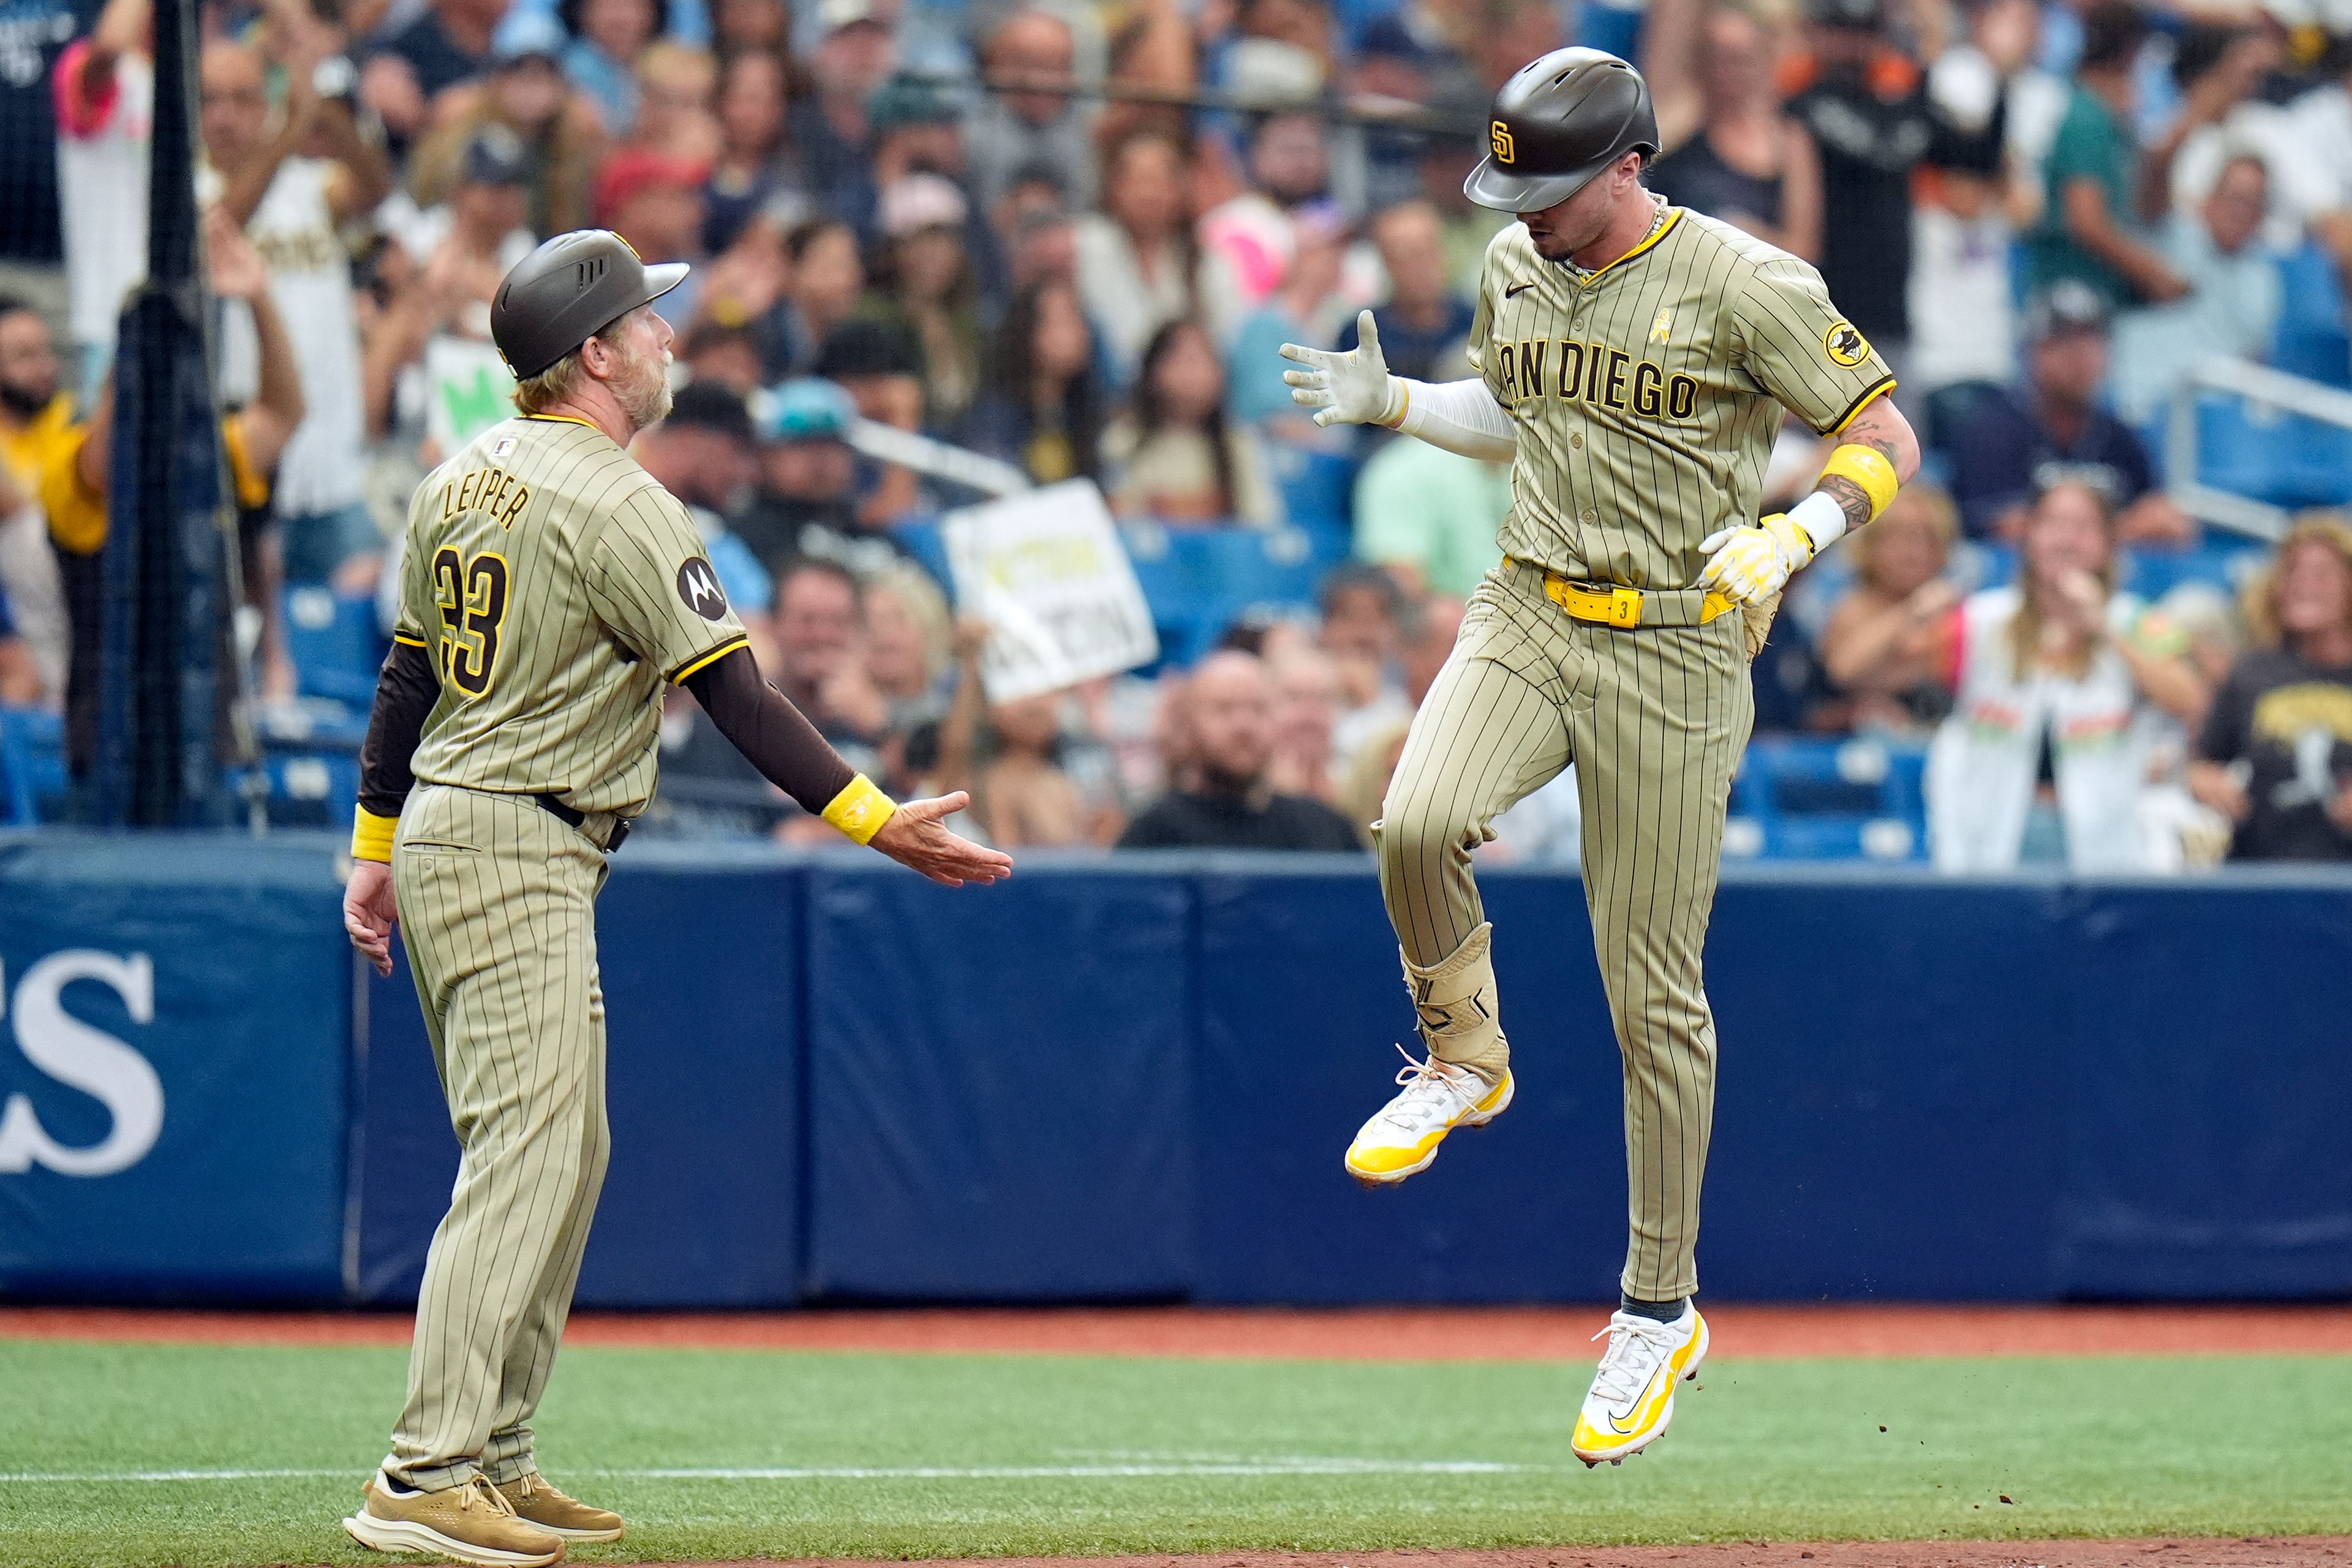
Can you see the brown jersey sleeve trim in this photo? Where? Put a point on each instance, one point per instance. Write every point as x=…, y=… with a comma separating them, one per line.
x=1853, y=410
x=704, y=660
x=407, y=639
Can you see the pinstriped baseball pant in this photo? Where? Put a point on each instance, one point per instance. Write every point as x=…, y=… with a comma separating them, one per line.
x=1654, y=721
x=498, y=910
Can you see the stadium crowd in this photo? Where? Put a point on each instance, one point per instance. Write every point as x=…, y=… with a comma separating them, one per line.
x=928, y=214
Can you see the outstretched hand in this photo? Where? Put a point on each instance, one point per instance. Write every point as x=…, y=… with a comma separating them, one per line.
x=1352, y=388
x=916, y=837
x=370, y=911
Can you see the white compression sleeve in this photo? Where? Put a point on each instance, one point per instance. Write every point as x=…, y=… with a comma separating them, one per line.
x=1459, y=415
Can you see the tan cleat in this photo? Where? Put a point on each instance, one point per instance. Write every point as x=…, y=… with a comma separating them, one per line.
x=536, y=1501
x=472, y=1523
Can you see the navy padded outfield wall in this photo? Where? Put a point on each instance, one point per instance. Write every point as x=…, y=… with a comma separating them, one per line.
x=832, y=1081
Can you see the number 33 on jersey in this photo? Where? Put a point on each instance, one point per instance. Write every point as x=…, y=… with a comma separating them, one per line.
x=556, y=586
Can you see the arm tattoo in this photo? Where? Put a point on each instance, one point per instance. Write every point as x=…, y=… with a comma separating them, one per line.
x=1850, y=498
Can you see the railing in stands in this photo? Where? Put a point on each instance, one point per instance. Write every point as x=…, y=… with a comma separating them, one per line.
x=2263, y=391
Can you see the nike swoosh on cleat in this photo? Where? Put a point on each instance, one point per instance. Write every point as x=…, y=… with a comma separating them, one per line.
x=1639, y=1400
x=1516, y=290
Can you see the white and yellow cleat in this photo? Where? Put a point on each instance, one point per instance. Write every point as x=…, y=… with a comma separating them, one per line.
x=1402, y=1137
x=1632, y=1395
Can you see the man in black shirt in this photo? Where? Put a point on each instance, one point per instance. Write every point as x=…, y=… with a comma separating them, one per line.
x=1229, y=806
x=2019, y=441
x=1867, y=111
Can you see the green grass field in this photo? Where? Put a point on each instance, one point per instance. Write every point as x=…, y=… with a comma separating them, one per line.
x=741, y=1453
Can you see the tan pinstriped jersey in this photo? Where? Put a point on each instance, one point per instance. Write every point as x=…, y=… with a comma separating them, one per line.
x=1647, y=393
x=555, y=585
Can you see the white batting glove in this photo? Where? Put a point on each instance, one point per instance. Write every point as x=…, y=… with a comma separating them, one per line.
x=1352, y=388
x=1752, y=563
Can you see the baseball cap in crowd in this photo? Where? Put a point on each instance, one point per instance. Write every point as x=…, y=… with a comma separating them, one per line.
x=1391, y=38
x=867, y=348
x=494, y=156
x=918, y=201
x=806, y=409
x=631, y=170
x=525, y=35
x=1856, y=16
x=835, y=14
x=908, y=100
x=2068, y=305
x=712, y=406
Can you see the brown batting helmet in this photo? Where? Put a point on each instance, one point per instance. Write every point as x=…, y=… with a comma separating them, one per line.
x=568, y=289
x=1560, y=119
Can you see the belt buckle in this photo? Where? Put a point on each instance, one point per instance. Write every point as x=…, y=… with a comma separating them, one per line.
x=1626, y=608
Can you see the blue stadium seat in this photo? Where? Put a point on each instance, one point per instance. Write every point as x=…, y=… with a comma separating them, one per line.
x=2311, y=339
x=334, y=643
x=1200, y=581
x=920, y=537
x=309, y=763
x=1318, y=493
x=32, y=765
x=2282, y=458
x=1817, y=798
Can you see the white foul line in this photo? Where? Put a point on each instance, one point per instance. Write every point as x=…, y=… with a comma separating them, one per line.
x=1255, y=1468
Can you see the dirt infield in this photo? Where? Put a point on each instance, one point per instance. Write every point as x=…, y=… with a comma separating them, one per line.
x=2306, y=1551
x=1500, y=1333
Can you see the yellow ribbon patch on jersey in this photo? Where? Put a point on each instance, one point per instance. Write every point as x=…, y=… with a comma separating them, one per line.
x=1844, y=345
x=1662, y=327
x=1499, y=135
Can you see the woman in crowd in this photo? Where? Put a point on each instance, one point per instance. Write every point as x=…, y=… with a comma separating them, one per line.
x=1176, y=458
x=1730, y=153
x=924, y=283
x=1044, y=403
x=607, y=36
x=1139, y=265
x=756, y=169
x=1888, y=643
x=2062, y=683
x=1014, y=754
x=677, y=88
x=826, y=276
x=2275, y=754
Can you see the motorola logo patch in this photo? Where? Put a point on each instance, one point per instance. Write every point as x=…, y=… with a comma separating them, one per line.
x=698, y=585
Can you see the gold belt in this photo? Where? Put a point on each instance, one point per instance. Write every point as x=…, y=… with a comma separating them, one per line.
x=1607, y=604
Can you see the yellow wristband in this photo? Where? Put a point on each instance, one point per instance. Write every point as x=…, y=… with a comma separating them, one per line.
x=372, y=835
x=860, y=809
x=1868, y=468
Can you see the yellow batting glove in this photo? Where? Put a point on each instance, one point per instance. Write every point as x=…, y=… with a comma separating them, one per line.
x=1752, y=563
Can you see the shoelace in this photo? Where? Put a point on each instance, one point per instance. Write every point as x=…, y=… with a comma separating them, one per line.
x=480, y=1488
x=1423, y=1082
x=1624, y=1371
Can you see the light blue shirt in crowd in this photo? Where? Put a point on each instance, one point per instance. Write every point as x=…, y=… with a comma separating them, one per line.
x=2233, y=311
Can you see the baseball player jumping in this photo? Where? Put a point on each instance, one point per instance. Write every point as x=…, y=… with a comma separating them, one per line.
x=549, y=590
x=1633, y=359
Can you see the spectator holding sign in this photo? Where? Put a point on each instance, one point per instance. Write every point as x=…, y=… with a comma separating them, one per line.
x=1011, y=751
